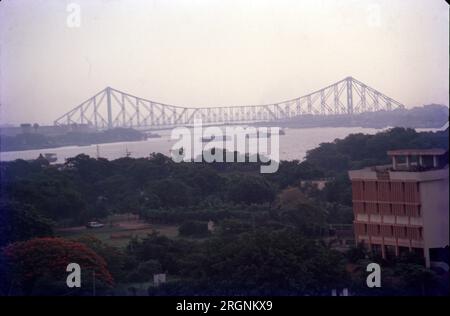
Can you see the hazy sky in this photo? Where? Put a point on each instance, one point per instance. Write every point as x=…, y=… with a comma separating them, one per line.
x=202, y=53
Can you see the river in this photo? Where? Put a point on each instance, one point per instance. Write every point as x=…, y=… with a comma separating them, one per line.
x=293, y=145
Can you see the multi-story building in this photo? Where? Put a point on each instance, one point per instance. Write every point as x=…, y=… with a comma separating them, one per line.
x=404, y=206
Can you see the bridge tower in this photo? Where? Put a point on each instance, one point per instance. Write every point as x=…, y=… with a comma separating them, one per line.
x=109, y=109
x=349, y=95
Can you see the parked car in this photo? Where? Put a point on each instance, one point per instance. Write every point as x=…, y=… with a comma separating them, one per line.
x=94, y=225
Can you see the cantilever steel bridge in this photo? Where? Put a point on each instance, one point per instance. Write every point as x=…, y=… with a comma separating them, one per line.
x=112, y=108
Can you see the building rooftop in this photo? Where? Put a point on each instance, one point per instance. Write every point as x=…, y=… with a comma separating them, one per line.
x=417, y=152
x=410, y=160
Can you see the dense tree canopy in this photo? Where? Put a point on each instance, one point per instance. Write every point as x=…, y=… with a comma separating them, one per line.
x=263, y=263
x=21, y=222
x=360, y=150
x=194, y=228
x=250, y=189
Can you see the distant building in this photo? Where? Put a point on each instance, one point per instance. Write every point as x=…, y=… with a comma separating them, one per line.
x=340, y=236
x=48, y=130
x=211, y=226
x=318, y=184
x=404, y=206
x=159, y=278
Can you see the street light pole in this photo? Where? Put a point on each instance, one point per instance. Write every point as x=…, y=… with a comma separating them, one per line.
x=93, y=283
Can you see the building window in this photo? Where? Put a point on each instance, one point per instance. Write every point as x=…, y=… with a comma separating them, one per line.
x=418, y=251
x=403, y=250
x=376, y=250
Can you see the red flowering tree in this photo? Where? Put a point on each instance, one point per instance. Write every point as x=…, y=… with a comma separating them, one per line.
x=30, y=261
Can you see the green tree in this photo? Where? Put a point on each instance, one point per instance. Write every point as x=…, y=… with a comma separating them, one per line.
x=114, y=257
x=268, y=263
x=20, y=222
x=145, y=271
x=416, y=278
x=250, y=189
x=194, y=228
x=171, y=192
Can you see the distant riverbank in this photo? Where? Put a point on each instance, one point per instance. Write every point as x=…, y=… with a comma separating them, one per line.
x=32, y=141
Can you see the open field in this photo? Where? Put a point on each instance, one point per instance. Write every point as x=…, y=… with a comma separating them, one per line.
x=119, y=234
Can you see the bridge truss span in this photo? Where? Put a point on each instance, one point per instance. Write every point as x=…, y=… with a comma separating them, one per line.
x=111, y=108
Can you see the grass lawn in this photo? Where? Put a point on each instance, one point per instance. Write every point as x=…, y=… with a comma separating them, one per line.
x=122, y=235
